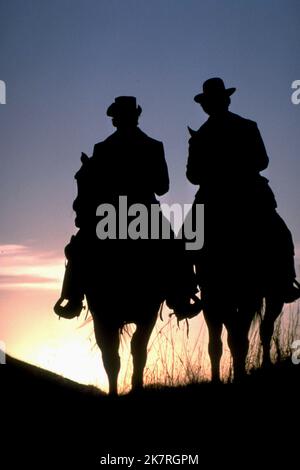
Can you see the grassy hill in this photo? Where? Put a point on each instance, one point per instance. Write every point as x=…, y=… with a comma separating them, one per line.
x=46, y=418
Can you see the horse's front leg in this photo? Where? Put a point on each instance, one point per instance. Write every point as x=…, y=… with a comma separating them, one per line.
x=108, y=340
x=215, y=347
x=273, y=309
x=139, y=345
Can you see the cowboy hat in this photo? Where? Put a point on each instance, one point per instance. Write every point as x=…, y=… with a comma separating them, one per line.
x=213, y=88
x=124, y=105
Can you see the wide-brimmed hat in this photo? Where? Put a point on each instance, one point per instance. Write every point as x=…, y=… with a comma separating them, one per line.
x=124, y=105
x=213, y=88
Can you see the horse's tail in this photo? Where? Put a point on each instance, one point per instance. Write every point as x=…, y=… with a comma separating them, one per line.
x=260, y=309
x=259, y=314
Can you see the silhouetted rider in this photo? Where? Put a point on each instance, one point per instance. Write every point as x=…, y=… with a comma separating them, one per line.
x=226, y=156
x=128, y=163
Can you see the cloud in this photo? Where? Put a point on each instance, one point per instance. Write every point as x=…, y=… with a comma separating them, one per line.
x=7, y=250
x=22, y=267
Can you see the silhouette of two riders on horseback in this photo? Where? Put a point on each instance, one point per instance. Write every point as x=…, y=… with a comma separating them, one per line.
x=248, y=252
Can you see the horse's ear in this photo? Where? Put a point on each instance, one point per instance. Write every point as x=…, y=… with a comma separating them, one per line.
x=84, y=160
x=84, y=157
x=192, y=132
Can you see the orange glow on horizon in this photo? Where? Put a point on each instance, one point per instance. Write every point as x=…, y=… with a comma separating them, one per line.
x=30, y=283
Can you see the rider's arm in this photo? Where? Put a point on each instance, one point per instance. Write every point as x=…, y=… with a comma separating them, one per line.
x=259, y=154
x=192, y=168
x=161, y=174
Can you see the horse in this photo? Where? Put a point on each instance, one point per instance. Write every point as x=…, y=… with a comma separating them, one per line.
x=107, y=336
x=117, y=298
x=114, y=275
x=237, y=318
x=235, y=299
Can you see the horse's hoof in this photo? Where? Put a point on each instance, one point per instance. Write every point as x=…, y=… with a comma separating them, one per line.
x=240, y=379
x=216, y=381
x=136, y=390
x=113, y=394
x=266, y=364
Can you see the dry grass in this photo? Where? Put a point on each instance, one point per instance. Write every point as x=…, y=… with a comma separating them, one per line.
x=286, y=331
x=177, y=354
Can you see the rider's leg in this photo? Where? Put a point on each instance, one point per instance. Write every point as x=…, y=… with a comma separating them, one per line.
x=274, y=305
x=182, y=282
x=72, y=288
x=282, y=264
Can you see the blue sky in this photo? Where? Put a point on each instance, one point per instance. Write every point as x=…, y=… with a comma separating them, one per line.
x=64, y=62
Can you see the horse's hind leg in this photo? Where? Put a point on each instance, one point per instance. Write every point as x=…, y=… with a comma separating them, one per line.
x=139, y=345
x=238, y=343
x=214, y=345
x=108, y=340
x=273, y=309
x=238, y=329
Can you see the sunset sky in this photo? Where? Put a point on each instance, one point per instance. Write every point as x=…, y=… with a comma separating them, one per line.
x=64, y=62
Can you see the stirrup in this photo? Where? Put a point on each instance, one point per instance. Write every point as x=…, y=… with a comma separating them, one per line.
x=294, y=293
x=188, y=311
x=69, y=311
